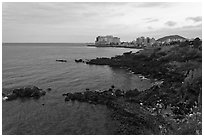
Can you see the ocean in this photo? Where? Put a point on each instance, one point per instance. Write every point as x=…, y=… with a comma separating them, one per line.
x=35, y=64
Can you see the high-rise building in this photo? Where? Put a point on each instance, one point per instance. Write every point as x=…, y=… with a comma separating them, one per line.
x=107, y=40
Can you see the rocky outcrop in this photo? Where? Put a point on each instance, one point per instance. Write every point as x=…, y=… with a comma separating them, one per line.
x=80, y=61
x=49, y=89
x=61, y=60
x=134, y=117
x=26, y=92
x=139, y=112
x=93, y=97
x=170, y=100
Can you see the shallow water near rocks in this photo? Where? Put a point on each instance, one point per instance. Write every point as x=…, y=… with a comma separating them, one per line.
x=35, y=64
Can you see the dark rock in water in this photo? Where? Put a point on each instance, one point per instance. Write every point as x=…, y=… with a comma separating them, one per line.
x=119, y=93
x=26, y=92
x=66, y=99
x=91, y=96
x=12, y=96
x=61, y=60
x=3, y=94
x=49, y=89
x=112, y=86
x=127, y=53
x=78, y=60
x=42, y=93
x=65, y=94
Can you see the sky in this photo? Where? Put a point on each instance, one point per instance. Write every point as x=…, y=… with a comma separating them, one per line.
x=83, y=22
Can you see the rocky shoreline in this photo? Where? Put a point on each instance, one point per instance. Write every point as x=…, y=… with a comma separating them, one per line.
x=140, y=112
x=114, y=99
x=175, y=101
x=115, y=46
x=172, y=106
x=25, y=92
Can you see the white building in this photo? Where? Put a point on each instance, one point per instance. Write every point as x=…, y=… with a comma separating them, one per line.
x=107, y=40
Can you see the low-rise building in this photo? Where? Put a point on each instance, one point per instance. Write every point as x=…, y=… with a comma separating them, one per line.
x=145, y=42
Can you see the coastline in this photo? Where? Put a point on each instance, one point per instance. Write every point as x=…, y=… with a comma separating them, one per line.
x=115, y=46
x=174, y=99
x=167, y=107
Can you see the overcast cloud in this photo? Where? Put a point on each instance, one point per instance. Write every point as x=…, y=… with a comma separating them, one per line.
x=170, y=23
x=82, y=22
x=195, y=19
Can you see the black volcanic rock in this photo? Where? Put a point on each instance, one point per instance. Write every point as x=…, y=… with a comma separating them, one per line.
x=49, y=89
x=61, y=60
x=91, y=96
x=26, y=92
x=78, y=60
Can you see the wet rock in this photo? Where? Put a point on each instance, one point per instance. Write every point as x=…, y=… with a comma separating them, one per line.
x=91, y=96
x=49, y=89
x=3, y=94
x=119, y=93
x=78, y=60
x=64, y=94
x=61, y=60
x=127, y=53
x=12, y=96
x=42, y=93
x=26, y=92
x=112, y=86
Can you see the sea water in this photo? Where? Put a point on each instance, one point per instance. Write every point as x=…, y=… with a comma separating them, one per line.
x=35, y=64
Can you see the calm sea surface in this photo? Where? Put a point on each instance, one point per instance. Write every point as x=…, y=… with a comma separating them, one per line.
x=35, y=64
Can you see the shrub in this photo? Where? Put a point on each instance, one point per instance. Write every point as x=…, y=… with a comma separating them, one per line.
x=192, y=85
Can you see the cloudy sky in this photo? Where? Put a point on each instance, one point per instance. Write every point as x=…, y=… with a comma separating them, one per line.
x=82, y=22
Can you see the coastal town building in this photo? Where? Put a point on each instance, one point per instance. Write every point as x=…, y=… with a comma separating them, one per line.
x=139, y=42
x=152, y=41
x=107, y=40
x=145, y=42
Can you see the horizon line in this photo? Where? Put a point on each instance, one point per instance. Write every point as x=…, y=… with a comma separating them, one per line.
x=45, y=42
x=82, y=42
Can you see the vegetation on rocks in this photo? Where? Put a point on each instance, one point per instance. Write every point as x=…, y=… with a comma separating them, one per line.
x=172, y=107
